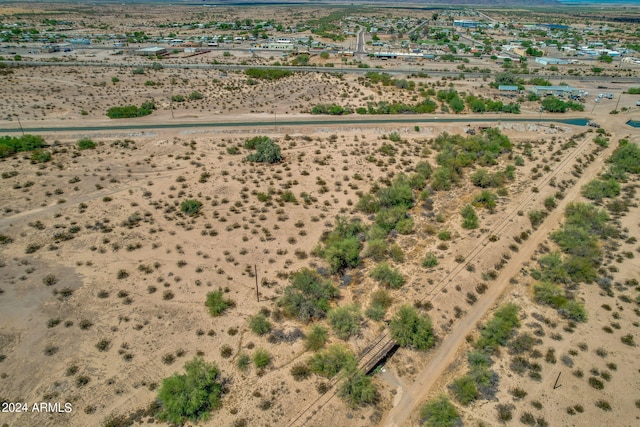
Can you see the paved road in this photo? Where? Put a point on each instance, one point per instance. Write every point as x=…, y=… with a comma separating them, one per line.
x=360, y=45
x=344, y=120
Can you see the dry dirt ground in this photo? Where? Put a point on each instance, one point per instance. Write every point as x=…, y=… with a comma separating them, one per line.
x=133, y=272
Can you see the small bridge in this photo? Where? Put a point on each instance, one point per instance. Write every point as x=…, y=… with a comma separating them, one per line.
x=368, y=358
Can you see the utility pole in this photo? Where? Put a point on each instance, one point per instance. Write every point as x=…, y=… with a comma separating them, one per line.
x=255, y=269
x=21, y=129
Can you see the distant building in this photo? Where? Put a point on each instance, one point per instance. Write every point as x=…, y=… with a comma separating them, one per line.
x=463, y=23
x=151, y=51
x=508, y=88
x=545, y=60
x=560, y=91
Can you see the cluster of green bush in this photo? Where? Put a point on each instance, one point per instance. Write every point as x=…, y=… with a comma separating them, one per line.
x=598, y=189
x=457, y=152
x=557, y=105
x=385, y=78
x=553, y=295
x=10, y=145
x=308, y=296
x=440, y=412
x=341, y=247
x=481, y=381
x=383, y=107
x=130, y=111
x=387, y=276
x=412, y=329
x=331, y=109
x=267, y=73
x=481, y=105
x=267, y=151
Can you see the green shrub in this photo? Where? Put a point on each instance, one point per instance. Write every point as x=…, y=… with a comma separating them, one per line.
x=464, y=389
x=499, y=329
x=130, y=111
x=217, y=304
x=430, y=260
x=308, y=296
x=267, y=73
x=259, y=324
x=261, y=358
x=267, y=151
x=358, y=390
x=10, y=144
x=440, y=412
x=387, y=276
x=329, y=362
x=625, y=158
x=191, y=207
x=345, y=321
x=380, y=302
x=316, y=338
x=191, y=396
x=536, y=217
x=410, y=329
x=376, y=249
x=40, y=156
x=599, y=189
x=469, y=217
x=85, y=144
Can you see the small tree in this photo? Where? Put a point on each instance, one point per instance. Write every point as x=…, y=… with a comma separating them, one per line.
x=267, y=151
x=190, y=397
x=387, y=276
x=316, y=338
x=358, y=390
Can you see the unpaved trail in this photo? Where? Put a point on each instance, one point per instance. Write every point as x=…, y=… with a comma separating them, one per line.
x=412, y=396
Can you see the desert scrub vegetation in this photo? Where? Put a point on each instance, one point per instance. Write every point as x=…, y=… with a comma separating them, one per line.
x=192, y=395
x=267, y=151
x=86, y=144
x=131, y=111
x=440, y=412
x=267, y=73
x=332, y=360
x=259, y=324
x=380, y=303
x=190, y=207
x=411, y=329
x=217, y=303
x=308, y=296
x=341, y=247
x=358, y=390
x=387, y=276
x=480, y=381
x=345, y=321
x=316, y=338
x=10, y=145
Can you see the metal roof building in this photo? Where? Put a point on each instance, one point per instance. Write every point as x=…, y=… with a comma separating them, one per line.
x=555, y=90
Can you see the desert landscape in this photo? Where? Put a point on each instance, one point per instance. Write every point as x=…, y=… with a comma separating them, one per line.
x=223, y=237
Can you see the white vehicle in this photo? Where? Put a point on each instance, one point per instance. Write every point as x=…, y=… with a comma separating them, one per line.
x=601, y=95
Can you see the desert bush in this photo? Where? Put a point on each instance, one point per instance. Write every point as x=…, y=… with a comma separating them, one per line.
x=410, y=329
x=300, y=372
x=316, y=338
x=308, y=296
x=439, y=411
x=499, y=329
x=380, y=302
x=86, y=144
x=345, y=321
x=190, y=396
x=469, y=217
x=190, y=207
x=464, y=389
x=358, y=390
x=217, y=304
x=259, y=324
x=130, y=111
x=261, y=358
x=598, y=189
x=430, y=260
x=332, y=360
x=387, y=276
x=267, y=151
x=10, y=145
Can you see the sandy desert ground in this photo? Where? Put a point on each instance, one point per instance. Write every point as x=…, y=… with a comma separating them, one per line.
x=105, y=279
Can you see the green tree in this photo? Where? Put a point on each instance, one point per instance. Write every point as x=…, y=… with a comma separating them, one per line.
x=85, y=144
x=190, y=397
x=316, y=338
x=267, y=151
x=410, y=329
x=329, y=362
